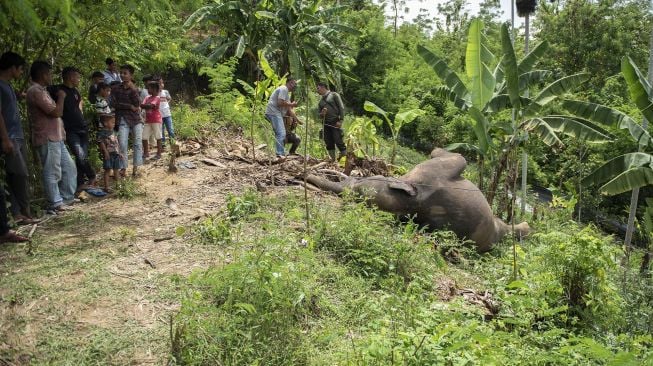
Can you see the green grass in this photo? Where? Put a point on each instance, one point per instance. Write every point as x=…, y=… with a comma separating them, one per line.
x=364, y=290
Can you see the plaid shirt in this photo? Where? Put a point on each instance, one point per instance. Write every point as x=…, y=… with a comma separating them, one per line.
x=121, y=97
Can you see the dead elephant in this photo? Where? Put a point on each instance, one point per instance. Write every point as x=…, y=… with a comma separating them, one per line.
x=436, y=195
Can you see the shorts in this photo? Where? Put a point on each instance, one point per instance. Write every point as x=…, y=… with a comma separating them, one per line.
x=113, y=162
x=153, y=130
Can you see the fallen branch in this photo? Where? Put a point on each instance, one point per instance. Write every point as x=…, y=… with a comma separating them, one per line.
x=212, y=162
x=333, y=172
x=149, y=262
x=123, y=275
x=156, y=240
x=308, y=186
x=31, y=232
x=318, y=165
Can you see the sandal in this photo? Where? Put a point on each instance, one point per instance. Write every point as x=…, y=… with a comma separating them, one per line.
x=26, y=220
x=12, y=237
x=63, y=208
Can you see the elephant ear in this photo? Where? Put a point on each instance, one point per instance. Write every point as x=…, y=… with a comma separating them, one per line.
x=408, y=188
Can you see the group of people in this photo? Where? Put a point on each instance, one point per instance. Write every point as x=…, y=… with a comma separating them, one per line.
x=280, y=112
x=57, y=124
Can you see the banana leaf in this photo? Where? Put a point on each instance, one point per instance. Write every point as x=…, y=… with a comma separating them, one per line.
x=443, y=71
x=608, y=116
x=613, y=172
x=639, y=88
x=476, y=59
x=509, y=65
x=527, y=63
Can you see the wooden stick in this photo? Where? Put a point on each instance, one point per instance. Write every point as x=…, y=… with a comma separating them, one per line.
x=31, y=232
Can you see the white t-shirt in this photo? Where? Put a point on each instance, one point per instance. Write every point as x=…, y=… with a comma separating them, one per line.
x=273, y=104
x=164, y=107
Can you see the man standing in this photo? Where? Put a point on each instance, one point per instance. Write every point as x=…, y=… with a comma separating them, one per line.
x=12, y=139
x=75, y=125
x=48, y=137
x=111, y=75
x=332, y=113
x=276, y=109
x=126, y=102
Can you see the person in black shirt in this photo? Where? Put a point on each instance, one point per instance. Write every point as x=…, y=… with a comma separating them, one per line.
x=76, y=126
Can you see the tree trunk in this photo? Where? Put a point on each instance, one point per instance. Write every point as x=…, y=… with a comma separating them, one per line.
x=496, y=178
x=524, y=167
x=481, y=172
x=635, y=194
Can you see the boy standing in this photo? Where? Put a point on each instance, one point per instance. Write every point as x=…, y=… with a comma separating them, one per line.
x=12, y=139
x=48, y=137
x=153, y=120
x=109, y=148
x=75, y=125
x=166, y=115
x=126, y=103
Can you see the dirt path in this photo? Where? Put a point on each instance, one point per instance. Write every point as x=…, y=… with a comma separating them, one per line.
x=102, y=281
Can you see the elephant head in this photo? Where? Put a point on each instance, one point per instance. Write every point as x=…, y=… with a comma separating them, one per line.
x=436, y=195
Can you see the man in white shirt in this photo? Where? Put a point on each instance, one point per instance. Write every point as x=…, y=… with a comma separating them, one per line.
x=164, y=108
x=277, y=107
x=111, y=74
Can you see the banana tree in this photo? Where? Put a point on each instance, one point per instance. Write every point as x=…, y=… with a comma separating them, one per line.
x=309, y=39
x=633, y=170
x=489, y=93
x=629, y=171
x=243, y=30
x=401, y=118
x=360, y=135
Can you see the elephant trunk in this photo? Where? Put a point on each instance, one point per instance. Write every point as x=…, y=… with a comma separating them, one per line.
x=325, y=184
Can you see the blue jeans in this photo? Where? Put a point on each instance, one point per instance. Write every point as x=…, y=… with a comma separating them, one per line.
x=59, y=173
x=279, y=133
x=123, y=141
x=167, y=126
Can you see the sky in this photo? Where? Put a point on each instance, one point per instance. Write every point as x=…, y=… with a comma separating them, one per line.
x=432, y=6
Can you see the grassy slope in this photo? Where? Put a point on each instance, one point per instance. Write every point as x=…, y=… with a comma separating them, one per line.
x=242, y=287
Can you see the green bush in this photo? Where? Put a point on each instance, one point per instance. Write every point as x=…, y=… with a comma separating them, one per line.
x=252, y=312
x=583, y=264
x=368, y=242
x=239, y=207
x=214, y=230
x=189, y=122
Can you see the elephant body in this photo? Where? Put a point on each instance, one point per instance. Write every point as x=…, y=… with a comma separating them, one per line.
x=436, y=195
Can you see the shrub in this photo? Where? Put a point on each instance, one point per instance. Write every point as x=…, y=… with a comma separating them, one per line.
x=251, y=311
x=242, y=206
x=368, y=242
x=214, y=230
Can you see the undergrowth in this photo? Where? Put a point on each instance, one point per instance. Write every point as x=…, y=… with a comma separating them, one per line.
x=362, y=289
